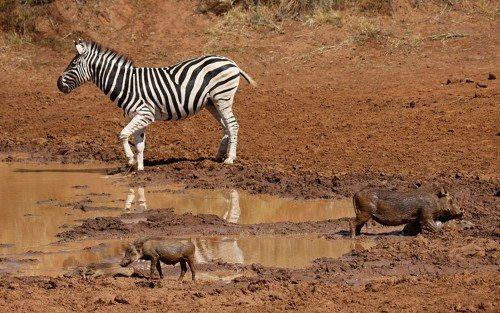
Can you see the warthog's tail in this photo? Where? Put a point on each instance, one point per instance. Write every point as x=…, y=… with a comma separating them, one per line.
x=248, y=78
x=351, y=221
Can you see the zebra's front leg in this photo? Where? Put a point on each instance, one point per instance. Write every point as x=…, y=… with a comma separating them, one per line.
x=136, y=125
x=128, y=151
x=140, y=145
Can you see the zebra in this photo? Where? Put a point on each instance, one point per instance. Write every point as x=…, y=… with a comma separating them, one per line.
x=147, y=94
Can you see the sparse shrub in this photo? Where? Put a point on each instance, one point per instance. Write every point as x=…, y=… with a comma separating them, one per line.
x=215, y=6
x=19, y=16
x=368, y=31
x=406, y=43
x=321, y=16
x=446, y=36
x=296, y=8
x=375, y=6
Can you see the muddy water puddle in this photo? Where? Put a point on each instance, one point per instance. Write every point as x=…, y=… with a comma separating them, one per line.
x=271, y=250
x=241, y=207
x=37, y=202
x=29, y=217
x=275, y=251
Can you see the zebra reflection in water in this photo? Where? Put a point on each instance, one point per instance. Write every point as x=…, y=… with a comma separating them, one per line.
x=227, y=249
x=141, y=201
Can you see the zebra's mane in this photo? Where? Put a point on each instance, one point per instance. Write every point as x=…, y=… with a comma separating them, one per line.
x=101, y=50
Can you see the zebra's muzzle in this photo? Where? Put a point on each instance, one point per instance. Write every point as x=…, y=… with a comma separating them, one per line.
x=63, y=88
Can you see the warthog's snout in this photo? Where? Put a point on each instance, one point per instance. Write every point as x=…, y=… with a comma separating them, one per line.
x=63, y=88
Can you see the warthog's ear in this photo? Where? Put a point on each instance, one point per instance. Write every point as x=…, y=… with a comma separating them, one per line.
x=138, y=246
x=442, y=193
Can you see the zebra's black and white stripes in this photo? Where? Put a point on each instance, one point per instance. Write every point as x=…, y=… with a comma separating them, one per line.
x=172, y=93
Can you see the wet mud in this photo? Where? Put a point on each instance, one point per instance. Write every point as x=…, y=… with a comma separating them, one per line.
x=263, y=262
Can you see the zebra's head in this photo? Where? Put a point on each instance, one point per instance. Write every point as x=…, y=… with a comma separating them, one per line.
x=78, y=70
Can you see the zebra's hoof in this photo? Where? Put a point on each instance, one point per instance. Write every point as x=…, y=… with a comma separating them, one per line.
x=228, y=161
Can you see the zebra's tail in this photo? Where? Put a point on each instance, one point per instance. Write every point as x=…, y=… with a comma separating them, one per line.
x=248, y=78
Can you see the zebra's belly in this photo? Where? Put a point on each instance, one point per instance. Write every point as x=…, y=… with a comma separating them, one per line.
x=162, y=114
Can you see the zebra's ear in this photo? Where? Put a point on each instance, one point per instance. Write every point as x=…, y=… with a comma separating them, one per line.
x=80, y=47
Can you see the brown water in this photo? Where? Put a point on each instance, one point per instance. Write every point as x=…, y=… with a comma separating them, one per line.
x=27, y=225
x=272, y=250
x=276, y=251
x=244, y=208
x=32, y=203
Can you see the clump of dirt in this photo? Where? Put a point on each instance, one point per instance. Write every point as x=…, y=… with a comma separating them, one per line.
x=166, y=223
x=108, y=225
x=14, y=260
x=86, y=207
x=258, y=178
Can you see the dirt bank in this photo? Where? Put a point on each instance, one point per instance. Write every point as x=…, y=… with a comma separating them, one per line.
x=325, y=102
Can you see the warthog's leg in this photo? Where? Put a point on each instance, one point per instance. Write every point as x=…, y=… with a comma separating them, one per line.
x=158, y=268
x=183, y=269
x=190, y=262
x=427, y=221
x=358, y=222
x=412, y=229
x=154, y=261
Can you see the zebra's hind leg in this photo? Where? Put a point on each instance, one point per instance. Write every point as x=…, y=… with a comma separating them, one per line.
x=222, y=153
x=225, y=108
x=140, y=145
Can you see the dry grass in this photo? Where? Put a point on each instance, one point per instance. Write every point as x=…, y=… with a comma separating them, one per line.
x=238, y=22
x=407, y=43
x=296, y=8
x=366, y=30
x=446, y=36
x=235, y=21
x=487, y=8
x=321, y=17
x=361, y=22
x=18, y=18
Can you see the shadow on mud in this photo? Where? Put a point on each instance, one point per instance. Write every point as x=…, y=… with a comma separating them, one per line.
x=175, y=160
x=346, y=233
x=59, y=170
